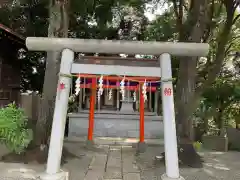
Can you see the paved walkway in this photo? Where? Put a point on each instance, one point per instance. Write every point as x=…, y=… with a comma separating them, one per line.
x=104, y=162
x=114, y=162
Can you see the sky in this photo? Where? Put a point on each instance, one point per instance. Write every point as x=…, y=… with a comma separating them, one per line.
x=159, y=10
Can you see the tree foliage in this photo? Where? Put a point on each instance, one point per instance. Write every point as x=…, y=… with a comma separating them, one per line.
x=14, y=132
x=201, y=21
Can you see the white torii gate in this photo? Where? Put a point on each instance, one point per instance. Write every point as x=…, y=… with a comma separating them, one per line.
x=69, y=46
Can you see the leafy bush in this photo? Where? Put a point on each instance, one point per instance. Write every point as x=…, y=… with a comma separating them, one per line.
x=197, y=146
x=72, y=104
x=13, y=129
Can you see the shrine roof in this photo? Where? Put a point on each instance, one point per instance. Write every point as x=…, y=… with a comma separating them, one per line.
x=10, y=42
x=12, y=35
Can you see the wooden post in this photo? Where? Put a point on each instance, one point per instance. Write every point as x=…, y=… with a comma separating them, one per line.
x=91, y=110
x=118, y=97
x=137, y=98
x=141, y=109
x=80, y=107
x=95, y=99
x=150, y=100
x=156, y=102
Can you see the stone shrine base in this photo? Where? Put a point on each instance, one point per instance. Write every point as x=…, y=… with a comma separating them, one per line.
x=115, y=124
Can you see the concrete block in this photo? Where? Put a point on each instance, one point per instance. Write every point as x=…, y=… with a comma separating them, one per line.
x=90, y=144
x=141, y=147
x=217, y=143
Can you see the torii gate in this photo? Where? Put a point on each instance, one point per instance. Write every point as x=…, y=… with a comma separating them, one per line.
x=69, y=46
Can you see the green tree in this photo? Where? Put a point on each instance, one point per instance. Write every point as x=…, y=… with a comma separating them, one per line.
x=87, y=20
x=198, y=21
x=198, y=15
x=58, y=27
x=222, y=95
x=27, y=17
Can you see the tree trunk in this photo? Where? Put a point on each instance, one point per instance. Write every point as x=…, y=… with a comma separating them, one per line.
x=206, y=125
x=193, y=31
x=58, y=27
x=190, y=31
x=187, y=94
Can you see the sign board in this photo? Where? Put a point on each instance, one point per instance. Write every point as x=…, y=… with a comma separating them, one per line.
x=167, y=91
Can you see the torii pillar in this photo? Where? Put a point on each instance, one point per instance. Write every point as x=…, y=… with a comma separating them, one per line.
x=53, y=171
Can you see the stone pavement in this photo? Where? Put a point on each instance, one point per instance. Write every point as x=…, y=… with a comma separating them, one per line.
x=105, y=162
x=216, y=166
x=115, y=162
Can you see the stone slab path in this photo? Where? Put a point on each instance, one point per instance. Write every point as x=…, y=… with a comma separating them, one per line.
x=115, y=162
x=106, y=163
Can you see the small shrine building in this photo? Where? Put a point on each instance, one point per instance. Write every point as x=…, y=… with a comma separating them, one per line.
x=10, y=65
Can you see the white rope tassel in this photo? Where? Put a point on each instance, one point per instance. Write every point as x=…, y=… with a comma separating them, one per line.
x=144, y=90
x=134, y=96
x=98, y=96
x=122, y=88
x=100, y=86
x=110, y=95
x=77, y=85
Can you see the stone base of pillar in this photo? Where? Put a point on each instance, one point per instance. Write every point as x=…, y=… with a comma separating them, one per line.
x=63, y=175
x=141, y=147
x=89, y=144
x=165, y=177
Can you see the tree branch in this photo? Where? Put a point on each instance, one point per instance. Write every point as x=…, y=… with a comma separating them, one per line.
x=175, y=7
x=180, y=7
x=192, y=20
x=237, y=3
x=231, y=43
x=210, y=22
x=185, y=7
x=230, y=8
x=235, y=38
x=236, y=18
x=178, y=11
x=228, y=48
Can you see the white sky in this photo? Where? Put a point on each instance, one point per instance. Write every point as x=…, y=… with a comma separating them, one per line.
x=159, y=10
